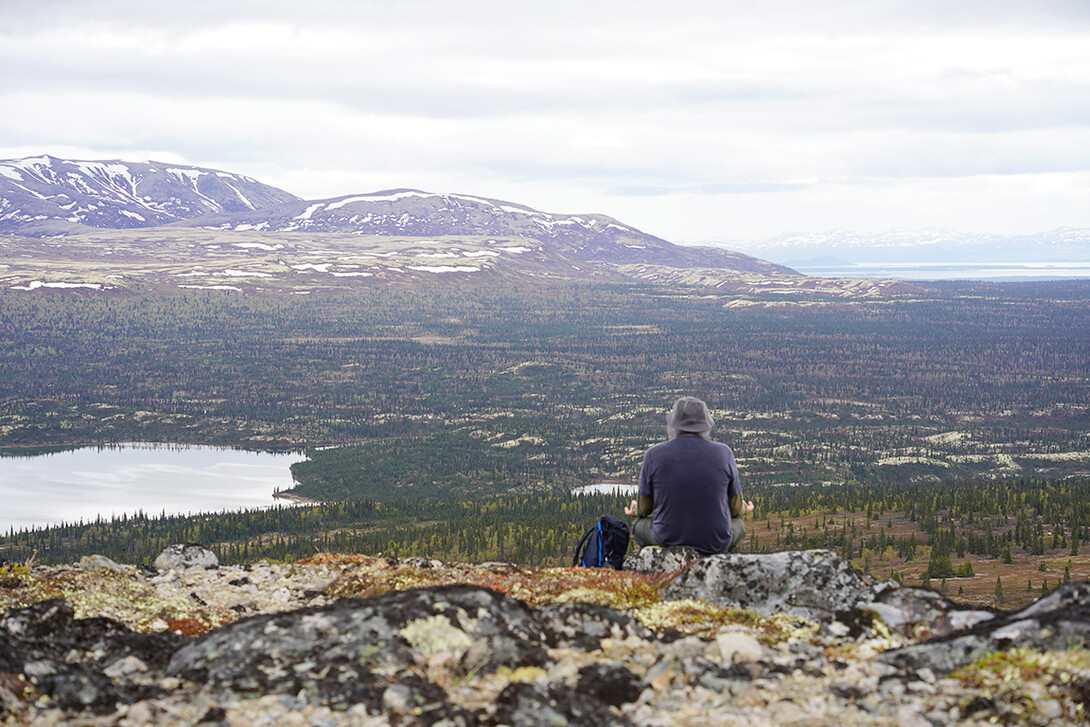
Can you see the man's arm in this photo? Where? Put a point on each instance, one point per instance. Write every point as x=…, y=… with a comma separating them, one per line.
x=642, y=506
x=738, y=506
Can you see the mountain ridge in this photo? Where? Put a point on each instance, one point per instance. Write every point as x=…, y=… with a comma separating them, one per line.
x=47, y=197
x=1063, y=244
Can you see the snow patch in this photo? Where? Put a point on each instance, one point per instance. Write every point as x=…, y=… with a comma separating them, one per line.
x=134, y=215
x=352, y=275
x=311, y=210
x=242, y=198
x=444, y=268
x=35, y=284
x=259, y=246
x=245, y=274
x=319, y=267
x=212, y=287
x=193, y=174
x=376, y=198
x=11, y=174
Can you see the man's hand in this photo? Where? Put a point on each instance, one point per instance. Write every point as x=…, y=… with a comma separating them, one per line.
x=749, y=506
x=631, y=509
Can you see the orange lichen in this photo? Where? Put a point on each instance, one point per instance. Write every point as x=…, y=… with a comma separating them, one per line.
x=188, y=626
x=363, y=577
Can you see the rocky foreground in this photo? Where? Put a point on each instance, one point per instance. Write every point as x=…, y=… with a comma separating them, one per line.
x=795, y=638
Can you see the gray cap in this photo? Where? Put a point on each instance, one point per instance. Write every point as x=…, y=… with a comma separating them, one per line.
x=690, y=415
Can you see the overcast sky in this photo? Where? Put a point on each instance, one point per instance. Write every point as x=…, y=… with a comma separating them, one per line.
x=690, y=120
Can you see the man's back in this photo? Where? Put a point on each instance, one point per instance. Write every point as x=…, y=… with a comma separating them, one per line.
x=690, y=480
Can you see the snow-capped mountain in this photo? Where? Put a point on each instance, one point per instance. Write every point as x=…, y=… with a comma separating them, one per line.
x=44, y=196
x=47, y=197
x=919, y=246
x=414, y=213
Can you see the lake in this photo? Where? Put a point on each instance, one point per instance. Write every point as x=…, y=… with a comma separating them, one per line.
x=110, y=481
x=605, y=488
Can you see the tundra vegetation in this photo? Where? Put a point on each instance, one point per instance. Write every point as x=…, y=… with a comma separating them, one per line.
x=938, y=433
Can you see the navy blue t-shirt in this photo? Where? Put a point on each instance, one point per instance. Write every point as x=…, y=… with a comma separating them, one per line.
x=689, y=479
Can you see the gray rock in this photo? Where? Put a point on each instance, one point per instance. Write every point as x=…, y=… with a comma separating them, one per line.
x=80, y=663
x=656, y=559
x=813, y=583
x=611, y=683
x=820, y=585
x=921, y=612
x=190, y=555
x=738, y=646
x=92, y=562
x=1060, y=620
x=535, y=705
x=584, y=625
x=342, y=653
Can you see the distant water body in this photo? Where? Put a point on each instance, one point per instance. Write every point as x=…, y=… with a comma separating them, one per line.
x=93, y=482
x=994, y=272
x=605, y=488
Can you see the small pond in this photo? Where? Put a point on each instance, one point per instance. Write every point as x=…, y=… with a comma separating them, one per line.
x=605, y=488
x=91, y=482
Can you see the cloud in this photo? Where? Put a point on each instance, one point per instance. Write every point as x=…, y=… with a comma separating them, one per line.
x=618, y=107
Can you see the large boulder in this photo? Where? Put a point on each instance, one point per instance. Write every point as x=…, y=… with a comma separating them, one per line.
x=1060, y=620
x=814, y=584
x=344, y=652
x=818, y=585
x=74, y=662
x=190, y=555
x=921, y=612
x=657, y=559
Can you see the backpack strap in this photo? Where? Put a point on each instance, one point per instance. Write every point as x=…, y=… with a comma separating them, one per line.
x=579, y=547
x=601, y=544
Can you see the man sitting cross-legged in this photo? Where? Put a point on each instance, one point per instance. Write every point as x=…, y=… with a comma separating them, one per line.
x=689, y=491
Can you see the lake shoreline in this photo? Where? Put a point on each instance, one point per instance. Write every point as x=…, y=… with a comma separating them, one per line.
x=125, y=480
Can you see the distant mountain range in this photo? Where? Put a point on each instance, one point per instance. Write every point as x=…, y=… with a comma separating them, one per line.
x=838, y=247
x=44, y=196
x=48, y=197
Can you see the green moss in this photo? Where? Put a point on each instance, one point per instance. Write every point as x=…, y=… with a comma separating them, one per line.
x=1019, y=678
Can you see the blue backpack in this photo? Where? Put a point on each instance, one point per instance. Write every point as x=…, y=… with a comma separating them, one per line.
x=604, y=545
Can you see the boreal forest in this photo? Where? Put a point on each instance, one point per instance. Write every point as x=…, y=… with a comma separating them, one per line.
x=944, y=425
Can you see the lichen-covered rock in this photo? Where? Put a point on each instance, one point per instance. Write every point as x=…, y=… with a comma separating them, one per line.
x=820, y=585
x=466, y=656
x=657, y=559
x=342, y=652
x=180, y=557
x=68, y=660
x=1060, y=620
x=90, y=562
x=535, y=705
x=584, y=625
x=613, y=684
x=814, y=584
x=921, y=612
